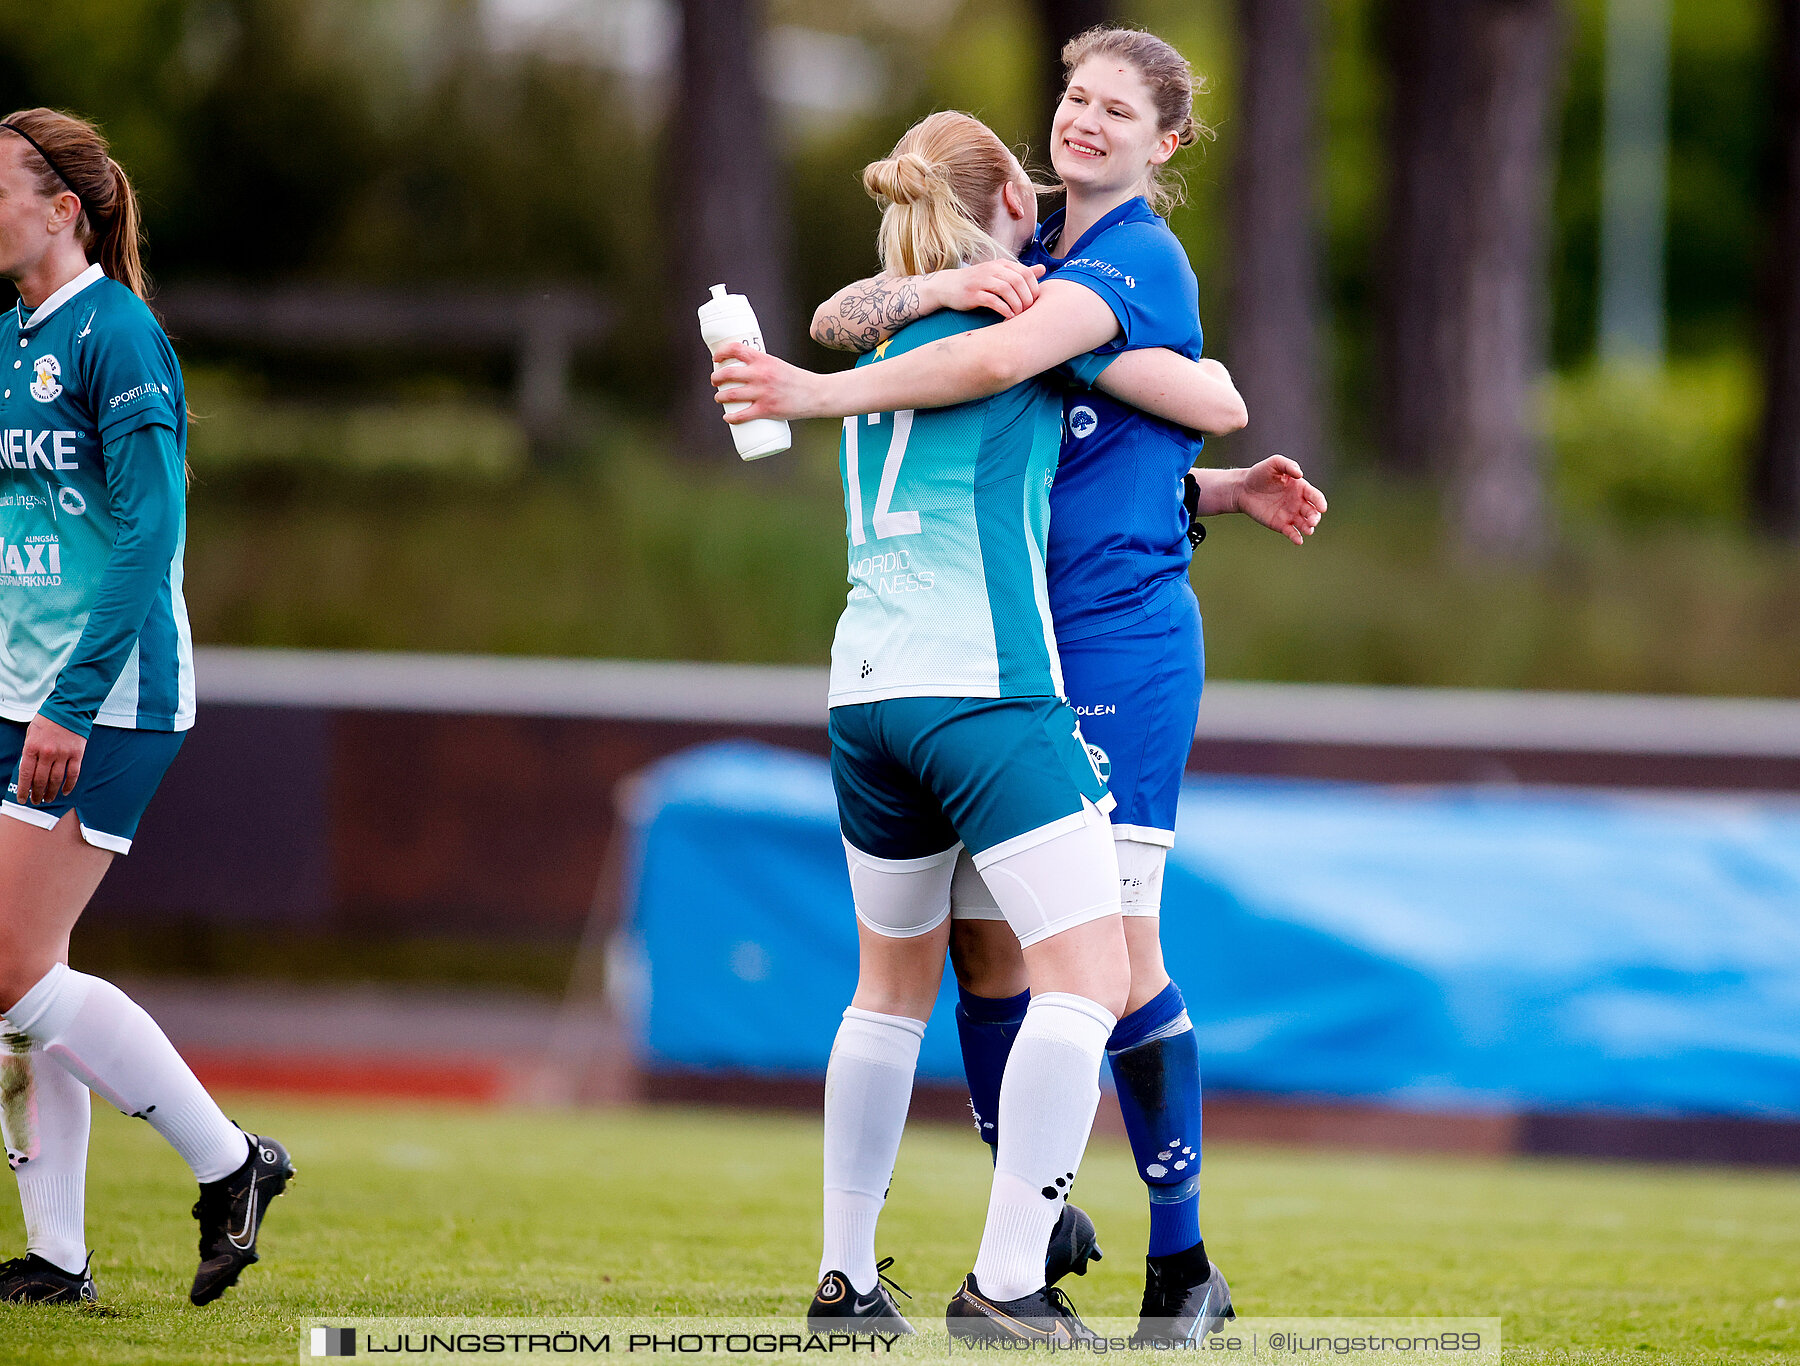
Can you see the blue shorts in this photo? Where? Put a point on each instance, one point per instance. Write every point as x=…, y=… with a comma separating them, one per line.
x=1137, y=692
x=119, y=774
x=916, y=776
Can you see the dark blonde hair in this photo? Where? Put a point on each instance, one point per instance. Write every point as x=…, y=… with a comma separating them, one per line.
x=68, y=153
x=1172, y=85
x=937, y=190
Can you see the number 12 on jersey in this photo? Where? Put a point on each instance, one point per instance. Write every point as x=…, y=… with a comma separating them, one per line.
x=887, y=521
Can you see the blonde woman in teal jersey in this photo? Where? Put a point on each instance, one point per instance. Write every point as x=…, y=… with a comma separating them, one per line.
x=96, y=694
x=949, y=733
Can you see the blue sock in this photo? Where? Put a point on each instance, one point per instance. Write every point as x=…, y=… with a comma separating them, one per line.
x=1156, y=1066
x=987, y=1026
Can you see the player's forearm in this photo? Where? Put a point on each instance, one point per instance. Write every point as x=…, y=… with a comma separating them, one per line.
x=1220, y=491
x=956, y=369
x=859, y=317
x=1198, y=395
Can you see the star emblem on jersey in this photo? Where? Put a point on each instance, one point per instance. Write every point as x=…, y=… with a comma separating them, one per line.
x=1082, y=422
x=45, y=386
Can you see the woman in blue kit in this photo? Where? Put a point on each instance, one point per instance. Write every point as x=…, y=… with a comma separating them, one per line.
x=96, y=694
x=1113, y=277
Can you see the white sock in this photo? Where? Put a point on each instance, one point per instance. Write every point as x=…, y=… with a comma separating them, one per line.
x=110, y=1045
x=1048, y=1096
x=44, y=1117
x=868, y=1086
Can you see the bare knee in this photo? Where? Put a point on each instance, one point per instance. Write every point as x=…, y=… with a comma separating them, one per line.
x=892, y=993
x=46, y=878
x=28, y=950
x=1143, y=946
x=19, y=973
x=1088, y=960
x=899, y=976
x=1111, y=988
x=986, y=957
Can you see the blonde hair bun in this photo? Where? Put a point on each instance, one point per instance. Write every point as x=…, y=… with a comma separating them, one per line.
x=906, y=178
x=937, y=189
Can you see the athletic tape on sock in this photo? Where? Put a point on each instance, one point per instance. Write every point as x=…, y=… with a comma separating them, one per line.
x=1162, y=1016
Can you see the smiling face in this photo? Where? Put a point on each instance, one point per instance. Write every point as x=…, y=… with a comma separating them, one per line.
x=30, y=220
x=1104, y=138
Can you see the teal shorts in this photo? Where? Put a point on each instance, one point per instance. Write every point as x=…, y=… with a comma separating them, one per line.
x=119, y=774
x=916, y=776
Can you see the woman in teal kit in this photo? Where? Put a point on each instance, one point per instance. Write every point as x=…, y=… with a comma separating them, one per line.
x=96, y=693
x=1128, y=628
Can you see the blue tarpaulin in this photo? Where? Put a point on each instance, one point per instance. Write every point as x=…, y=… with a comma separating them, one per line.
x=1489, y=947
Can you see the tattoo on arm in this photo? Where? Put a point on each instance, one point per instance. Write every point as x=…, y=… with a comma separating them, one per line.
x=868, y=312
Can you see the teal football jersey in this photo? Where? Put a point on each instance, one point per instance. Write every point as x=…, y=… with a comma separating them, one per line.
x=88, y=367
x=947, y=510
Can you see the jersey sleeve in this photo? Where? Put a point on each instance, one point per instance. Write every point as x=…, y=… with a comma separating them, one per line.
x=129, y=370
x=1085, y=369
x=1139, y=271
x=146, y=483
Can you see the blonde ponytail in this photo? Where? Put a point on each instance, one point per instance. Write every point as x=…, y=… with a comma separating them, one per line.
x=119, y=238
x=937, y=191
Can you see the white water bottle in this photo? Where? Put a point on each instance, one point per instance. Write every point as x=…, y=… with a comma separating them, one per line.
x=729, y=318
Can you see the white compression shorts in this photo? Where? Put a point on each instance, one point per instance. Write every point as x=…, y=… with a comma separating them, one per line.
x=1140, y=883
x=1041, y=890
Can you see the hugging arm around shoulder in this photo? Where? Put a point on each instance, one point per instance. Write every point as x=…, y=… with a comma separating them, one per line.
x=1068, y=320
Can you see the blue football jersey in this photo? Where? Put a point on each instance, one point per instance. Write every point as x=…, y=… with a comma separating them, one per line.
x=1118, y=531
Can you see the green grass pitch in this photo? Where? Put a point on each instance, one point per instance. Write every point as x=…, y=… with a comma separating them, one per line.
x=446, y=1210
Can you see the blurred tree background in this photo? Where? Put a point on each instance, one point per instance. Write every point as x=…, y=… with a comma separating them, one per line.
x=371, y=489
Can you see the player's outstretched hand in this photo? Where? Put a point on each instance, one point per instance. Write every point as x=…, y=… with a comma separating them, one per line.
x=1275, y=493
x=50, y=762
x=771, y=387
x=1007, y=287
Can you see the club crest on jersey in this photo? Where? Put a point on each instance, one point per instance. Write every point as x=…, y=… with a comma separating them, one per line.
x=1082, y=422
x=71, y=501
x=45, y=385
x=1102, y=764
